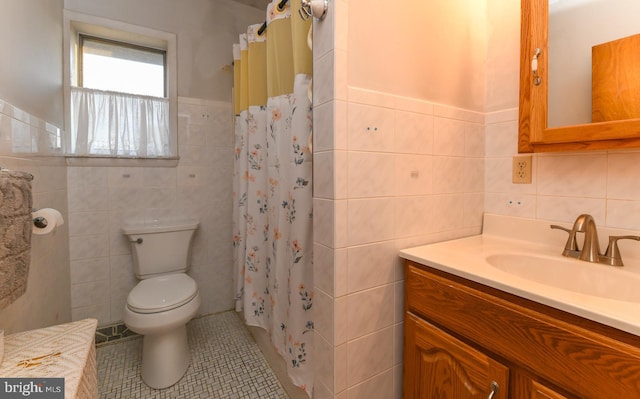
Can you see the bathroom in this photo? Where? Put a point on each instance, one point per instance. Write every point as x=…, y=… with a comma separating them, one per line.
x=429, y=179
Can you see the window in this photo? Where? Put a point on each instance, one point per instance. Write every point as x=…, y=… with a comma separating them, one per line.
x=121, y=90
x=122, y=67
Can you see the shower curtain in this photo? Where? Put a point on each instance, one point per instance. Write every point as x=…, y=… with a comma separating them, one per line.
x=272, y=185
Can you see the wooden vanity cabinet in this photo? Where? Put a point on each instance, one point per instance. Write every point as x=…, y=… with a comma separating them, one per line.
x=461, y=336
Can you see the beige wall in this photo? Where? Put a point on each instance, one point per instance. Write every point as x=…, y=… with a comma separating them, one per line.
x=503, y=55
x=431, y=50
x=31, y=61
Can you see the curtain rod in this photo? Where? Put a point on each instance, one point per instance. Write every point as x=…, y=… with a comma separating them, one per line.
x=264, y=25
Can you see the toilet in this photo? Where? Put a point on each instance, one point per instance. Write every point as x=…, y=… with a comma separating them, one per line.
x=164, y=300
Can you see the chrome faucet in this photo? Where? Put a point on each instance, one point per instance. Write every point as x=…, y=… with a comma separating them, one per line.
x=591, y=246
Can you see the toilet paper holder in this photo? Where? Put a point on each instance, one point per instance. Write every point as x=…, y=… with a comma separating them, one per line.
x=40, y=222
x=45, y=220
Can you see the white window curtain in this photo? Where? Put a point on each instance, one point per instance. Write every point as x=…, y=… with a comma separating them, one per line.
x=114, y=124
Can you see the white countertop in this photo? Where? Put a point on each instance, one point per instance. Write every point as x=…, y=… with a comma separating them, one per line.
x=466, y=257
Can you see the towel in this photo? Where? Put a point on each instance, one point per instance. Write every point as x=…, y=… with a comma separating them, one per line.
x=16, y=203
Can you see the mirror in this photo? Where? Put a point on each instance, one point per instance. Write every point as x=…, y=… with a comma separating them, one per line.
x=564, y=96
x=575, y=27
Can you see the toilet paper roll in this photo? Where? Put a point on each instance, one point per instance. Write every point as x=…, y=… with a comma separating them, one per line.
x=52, y=217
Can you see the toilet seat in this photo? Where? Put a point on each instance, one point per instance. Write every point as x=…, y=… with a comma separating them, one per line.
x=162, y=293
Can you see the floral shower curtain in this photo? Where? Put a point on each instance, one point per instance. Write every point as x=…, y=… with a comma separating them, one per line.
x=272, y=185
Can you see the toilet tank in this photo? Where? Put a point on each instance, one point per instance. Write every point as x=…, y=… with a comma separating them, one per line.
x=161, y=247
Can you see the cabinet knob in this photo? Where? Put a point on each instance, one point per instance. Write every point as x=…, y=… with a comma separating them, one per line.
x=494, y=389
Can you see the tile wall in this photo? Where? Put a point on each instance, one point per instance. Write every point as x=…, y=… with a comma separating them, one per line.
x=604, y=184
x=101, y=199
x=25, y=135
x=409, y=172
x=389, y=172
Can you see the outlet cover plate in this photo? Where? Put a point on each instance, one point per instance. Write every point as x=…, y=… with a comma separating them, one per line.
x=522, y=167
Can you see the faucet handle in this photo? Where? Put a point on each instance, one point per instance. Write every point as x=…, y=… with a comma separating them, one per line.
x=571, y=247
x=612, y=255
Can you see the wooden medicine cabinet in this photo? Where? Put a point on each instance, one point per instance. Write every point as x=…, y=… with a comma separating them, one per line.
x=535, y=133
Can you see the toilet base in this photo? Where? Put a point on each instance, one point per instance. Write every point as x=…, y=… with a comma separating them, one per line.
x=165, y=357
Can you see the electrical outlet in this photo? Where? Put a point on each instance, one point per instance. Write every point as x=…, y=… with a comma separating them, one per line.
x=522, y=169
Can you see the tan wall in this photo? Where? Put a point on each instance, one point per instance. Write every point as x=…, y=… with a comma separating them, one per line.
x=31, y=62
x=431, y=50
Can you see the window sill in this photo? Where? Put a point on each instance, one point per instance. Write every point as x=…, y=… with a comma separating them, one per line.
x=108, y=161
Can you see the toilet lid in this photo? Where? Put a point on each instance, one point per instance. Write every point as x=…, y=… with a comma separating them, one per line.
x=157, y=294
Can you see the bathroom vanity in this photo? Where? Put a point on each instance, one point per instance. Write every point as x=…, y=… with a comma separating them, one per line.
x=473, y=330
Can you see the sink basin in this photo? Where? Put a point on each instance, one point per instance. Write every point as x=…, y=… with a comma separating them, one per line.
x=571, y=275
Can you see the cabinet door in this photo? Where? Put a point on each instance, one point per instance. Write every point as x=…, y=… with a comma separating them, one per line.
x=540, y=391
x=439, y=366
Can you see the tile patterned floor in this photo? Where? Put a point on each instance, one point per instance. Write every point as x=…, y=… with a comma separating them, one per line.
x=226, y=363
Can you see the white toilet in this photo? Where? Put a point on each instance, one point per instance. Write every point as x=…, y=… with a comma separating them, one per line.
x=165, y=299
